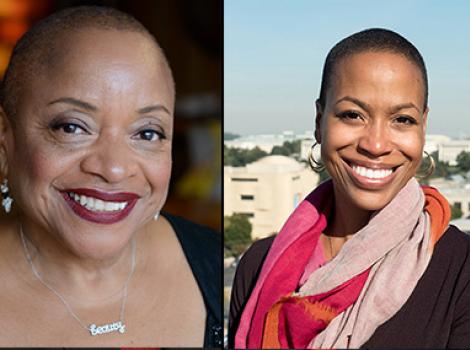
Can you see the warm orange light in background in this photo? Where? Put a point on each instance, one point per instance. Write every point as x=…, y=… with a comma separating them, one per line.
x=15, y=19
x=12, y=29
x=15, y=8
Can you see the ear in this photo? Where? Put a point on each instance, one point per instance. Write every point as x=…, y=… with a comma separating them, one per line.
x=425, y=120
x=318, y=120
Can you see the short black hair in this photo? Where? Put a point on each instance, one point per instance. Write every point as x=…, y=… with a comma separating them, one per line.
x=371, y=40
x=33, y=50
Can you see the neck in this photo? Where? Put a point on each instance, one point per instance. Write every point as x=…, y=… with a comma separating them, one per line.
x=85, y=279
x=346, y=218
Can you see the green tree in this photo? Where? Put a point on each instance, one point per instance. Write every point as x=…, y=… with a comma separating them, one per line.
x=240, y=157
x=237, y=233
x=463, y=161
x=456, y=212
x=280, y=150
x=254, y=154
x=228, y=136
x=288, y=148
x=442, y=169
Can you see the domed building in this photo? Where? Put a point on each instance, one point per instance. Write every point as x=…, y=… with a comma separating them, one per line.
x=267, y=191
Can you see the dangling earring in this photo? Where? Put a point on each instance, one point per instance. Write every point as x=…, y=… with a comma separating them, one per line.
x=316, y=165
x=157, y=215
x=7, y=200
x=430, y=169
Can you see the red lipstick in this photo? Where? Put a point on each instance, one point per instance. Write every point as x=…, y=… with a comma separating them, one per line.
x=101, y=217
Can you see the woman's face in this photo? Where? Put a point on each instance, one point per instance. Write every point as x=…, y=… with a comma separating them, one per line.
x=372, y=127
x=90, y=155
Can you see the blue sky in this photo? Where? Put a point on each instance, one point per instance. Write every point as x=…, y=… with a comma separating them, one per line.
x=274, y=52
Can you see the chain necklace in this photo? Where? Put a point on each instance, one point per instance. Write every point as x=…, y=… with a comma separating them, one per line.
x=331, y=247
x=118, y=326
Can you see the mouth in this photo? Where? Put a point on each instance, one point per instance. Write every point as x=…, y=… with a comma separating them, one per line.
x=371, y=176
x=100, y=207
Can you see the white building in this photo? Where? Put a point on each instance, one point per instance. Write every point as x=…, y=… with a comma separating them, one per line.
x=433, y=141
x=264, y=142
x=267, y=191
x=456, y=192
x=448, y=151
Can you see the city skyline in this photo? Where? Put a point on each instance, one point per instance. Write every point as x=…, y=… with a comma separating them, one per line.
x=274, y=53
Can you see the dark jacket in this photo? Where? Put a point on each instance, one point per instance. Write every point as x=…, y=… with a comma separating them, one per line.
x=437, y=314
x=203, y=250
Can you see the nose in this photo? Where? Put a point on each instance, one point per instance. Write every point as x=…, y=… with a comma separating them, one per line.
x=375, y=140
x=110, y=159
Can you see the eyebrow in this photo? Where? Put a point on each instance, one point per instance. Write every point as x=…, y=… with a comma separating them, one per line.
x=90, y=107
x=74, y=102
x=367, y=107
x=153, y=108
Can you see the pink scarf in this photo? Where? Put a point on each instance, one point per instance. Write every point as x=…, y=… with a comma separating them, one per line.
x=274, y=315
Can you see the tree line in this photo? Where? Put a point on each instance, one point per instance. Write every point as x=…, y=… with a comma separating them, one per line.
x=238, y=157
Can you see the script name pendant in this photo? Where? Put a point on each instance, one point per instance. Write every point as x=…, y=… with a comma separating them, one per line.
x=107, y=328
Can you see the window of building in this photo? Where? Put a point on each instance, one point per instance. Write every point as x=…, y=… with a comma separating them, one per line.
x=458, y=205
x=247, y=197
x=248, y=215
x=296, y=199
x=296, y=178
x=244, y=179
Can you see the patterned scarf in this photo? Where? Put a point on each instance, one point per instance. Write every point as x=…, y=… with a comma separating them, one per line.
x=343, y=302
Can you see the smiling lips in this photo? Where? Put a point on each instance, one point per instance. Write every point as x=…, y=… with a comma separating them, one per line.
x=100, y=207
x=371, y=177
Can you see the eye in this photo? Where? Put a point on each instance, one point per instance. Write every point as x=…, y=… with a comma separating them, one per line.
x=150, y=135
x=406, y=120
x=69, y=128
x=350, y=115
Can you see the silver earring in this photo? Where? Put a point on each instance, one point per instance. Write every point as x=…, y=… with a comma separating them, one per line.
x=157, y=215
x=316, y=165
x=7, y=200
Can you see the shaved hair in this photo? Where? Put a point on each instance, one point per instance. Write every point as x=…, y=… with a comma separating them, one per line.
x=35, y=49
x=371, y=40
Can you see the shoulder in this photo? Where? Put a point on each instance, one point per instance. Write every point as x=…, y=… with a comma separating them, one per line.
x=453, y=244
x=245, y=278
x=195, y=236
x=252, y=260
x=202, y=247
x=249, y=268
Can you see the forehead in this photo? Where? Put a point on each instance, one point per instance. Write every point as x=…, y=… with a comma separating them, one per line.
x=378, y=73
x=95, y=64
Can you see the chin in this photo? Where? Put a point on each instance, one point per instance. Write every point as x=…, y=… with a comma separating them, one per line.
x=370, y=201
x=97, y=246
x=363, y=199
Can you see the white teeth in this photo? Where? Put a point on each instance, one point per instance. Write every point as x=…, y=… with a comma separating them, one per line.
x=371, y=173
x=99, y=205
x=95, y=204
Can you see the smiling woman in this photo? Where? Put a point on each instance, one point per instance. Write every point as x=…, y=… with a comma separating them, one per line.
x=368, y=258
x=85, y=258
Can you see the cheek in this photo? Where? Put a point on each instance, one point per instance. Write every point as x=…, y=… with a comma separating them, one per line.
x=37, y=162
x=411, y=146
x=334, y=137
x=36, y=173
x=158, y=174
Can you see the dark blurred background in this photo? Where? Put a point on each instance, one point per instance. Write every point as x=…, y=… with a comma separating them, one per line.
x=190, y=33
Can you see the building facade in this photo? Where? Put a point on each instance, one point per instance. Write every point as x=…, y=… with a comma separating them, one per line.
x=267, y=191
x=448, y=151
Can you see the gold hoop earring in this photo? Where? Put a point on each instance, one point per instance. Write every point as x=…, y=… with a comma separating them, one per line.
x=430, y=169
x=316, y=165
